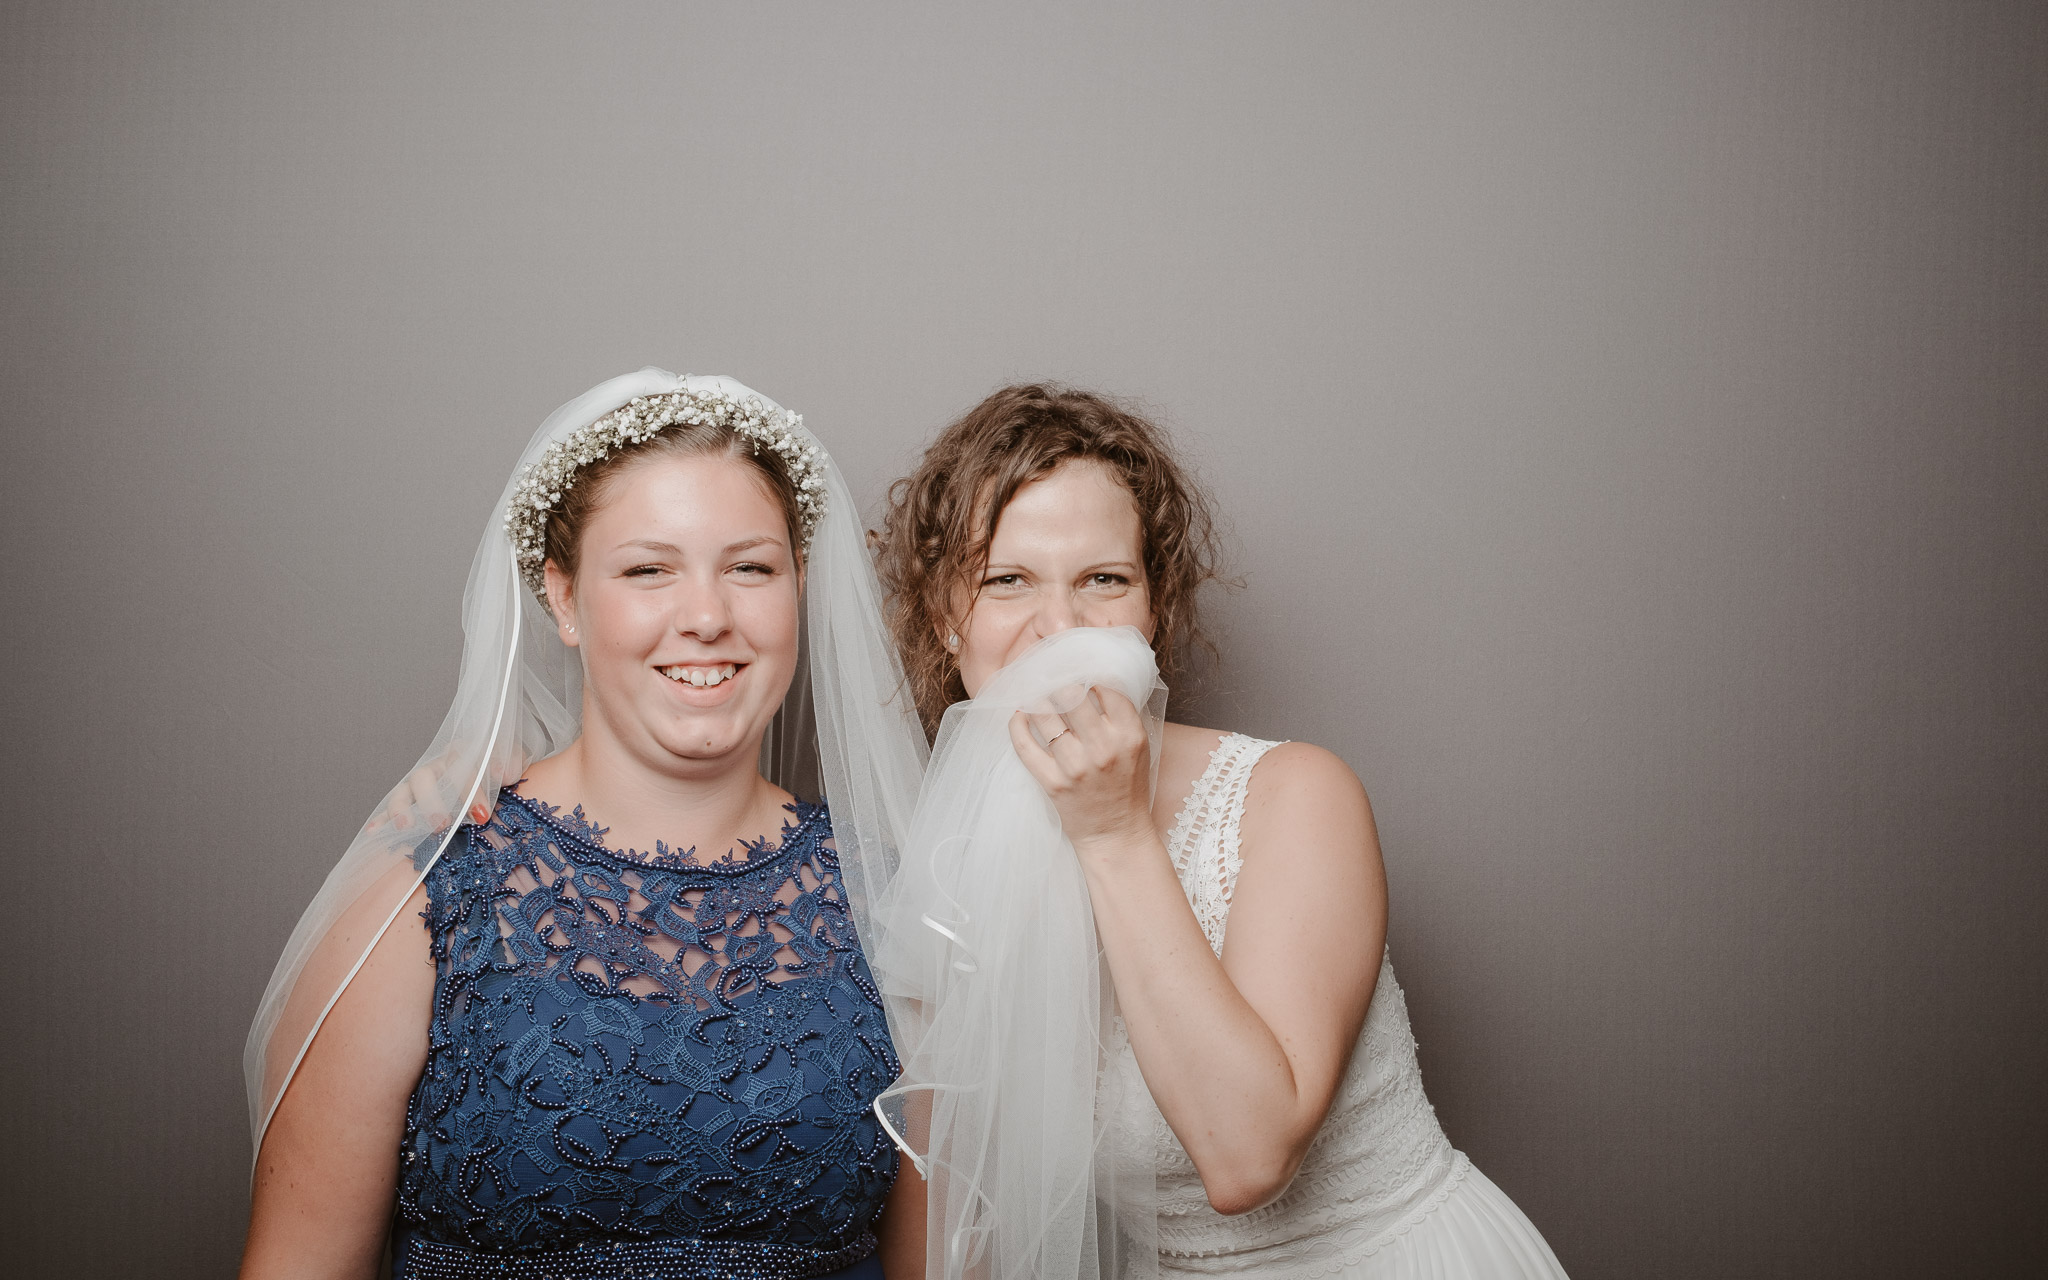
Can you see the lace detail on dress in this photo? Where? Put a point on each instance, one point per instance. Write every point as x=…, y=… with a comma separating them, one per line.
x=645, y=1048
x=1204, y=840
x=1379, y=1165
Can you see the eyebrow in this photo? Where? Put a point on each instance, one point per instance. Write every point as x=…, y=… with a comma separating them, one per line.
x=744, y=544
x=1001, y=567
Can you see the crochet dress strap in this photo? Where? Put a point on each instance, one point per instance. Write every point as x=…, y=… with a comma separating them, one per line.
x=1205, y=842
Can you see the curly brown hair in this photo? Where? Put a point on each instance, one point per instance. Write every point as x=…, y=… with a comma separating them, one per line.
x=941, y=516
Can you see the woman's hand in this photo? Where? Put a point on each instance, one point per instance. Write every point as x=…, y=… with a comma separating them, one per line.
x=1096, y=763
x=419, y=793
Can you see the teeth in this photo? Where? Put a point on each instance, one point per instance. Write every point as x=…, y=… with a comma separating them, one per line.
x=700, y=677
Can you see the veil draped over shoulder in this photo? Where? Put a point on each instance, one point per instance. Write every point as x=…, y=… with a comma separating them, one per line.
x=519, y=698
x=984, y=945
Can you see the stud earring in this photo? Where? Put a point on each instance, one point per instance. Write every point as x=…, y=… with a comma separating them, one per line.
x=952, y=640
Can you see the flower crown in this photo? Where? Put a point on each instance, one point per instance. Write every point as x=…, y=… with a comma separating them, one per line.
x=549, y=476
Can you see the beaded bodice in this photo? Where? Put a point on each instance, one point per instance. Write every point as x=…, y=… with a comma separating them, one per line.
x=1380, y=1160
x=628, y=1049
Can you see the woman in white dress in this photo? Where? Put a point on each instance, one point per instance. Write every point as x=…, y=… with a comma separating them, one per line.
x=1254, y=1065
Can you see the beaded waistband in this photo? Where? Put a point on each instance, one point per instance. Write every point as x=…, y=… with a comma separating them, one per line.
x=631, y=1260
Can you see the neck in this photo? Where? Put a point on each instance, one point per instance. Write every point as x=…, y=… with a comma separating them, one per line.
x=710, y=808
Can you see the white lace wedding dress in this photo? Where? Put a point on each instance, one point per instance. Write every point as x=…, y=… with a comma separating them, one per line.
x=1382, y=1195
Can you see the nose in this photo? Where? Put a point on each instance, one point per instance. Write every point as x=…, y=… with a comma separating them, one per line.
x=702, y=612
x=1056, y=614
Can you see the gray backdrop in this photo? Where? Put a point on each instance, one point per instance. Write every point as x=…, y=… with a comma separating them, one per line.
x=1630, y=417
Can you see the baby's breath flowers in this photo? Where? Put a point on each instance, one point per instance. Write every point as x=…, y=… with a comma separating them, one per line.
x=551, y=475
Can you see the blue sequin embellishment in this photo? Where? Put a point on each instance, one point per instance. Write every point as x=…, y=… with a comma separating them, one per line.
x=644, y=1053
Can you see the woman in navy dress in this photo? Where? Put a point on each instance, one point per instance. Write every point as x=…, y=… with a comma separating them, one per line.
x=618, y=1023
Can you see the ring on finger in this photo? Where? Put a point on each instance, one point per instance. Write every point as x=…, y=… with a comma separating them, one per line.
x=1056, y=737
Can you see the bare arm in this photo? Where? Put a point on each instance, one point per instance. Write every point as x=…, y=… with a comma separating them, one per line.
x=327, y=1175
x=1243, y=1054
x=901, y=1227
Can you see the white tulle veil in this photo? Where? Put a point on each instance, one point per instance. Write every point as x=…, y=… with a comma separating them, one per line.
x=519, y=698
x=1039, y=1167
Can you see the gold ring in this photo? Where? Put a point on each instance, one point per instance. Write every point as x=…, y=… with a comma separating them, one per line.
x=1056, y=737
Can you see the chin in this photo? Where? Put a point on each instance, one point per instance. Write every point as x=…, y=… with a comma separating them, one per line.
x=705, y=742
x=685, y=745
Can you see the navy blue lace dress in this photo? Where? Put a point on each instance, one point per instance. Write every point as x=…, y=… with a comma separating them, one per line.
x=643, y=1067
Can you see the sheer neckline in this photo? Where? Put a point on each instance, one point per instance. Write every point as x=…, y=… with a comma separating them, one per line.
x=577, y=828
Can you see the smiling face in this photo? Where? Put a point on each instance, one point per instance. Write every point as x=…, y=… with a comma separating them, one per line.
x=683, y=605
x=1068, y=551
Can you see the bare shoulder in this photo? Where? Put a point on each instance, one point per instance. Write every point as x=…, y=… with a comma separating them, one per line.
x=1187, y=741
x=1303, y=770
x=1308, y=828
x=1305, y=797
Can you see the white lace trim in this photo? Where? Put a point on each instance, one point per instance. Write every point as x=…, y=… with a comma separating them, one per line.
x=1335, y=1251
x=1183, y=821
x=1460, y=1166
x=1204, y=843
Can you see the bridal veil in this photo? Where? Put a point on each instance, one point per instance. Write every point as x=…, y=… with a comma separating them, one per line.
x=1002, y=1011
x=518, y=699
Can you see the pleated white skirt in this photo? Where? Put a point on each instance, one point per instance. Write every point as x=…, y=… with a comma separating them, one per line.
x=1464, y=1229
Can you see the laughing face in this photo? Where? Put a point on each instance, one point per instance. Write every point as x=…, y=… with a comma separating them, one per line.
x=1068, y=551
x=684, y=608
